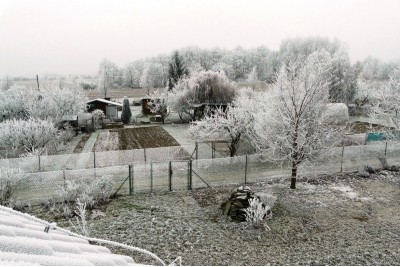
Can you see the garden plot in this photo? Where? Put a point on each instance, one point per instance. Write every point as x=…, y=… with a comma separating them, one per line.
x=134, y=138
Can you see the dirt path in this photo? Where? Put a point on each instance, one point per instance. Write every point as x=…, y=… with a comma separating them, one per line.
x=85, y=157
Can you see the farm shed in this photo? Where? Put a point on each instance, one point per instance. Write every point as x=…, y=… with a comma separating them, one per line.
x=109, y=108
x=337, y=112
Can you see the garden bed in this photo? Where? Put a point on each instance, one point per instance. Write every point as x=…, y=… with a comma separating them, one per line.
x=134, y=138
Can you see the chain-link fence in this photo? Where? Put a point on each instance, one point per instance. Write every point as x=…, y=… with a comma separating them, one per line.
x=94, y=159
x=188, y=174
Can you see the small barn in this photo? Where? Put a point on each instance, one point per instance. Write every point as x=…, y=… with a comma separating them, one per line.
x=109, y=108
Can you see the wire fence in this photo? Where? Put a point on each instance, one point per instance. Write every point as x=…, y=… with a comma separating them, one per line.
x=94, y=159
x=159, y=176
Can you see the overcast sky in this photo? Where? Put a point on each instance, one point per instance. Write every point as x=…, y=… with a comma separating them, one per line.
x=73, y=36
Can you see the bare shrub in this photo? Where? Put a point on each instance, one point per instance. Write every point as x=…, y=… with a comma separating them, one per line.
x=10, y=180
x=81, y=227
x=257, y=212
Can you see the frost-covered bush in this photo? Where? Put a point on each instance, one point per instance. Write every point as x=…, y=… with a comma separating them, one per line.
x=98, y=117
x=81, y=226
x=10, y=180
x=12, y=103
x=257, y=212
x=99, y=189
x=28, y=135
x=93, y=193
x=202, y=87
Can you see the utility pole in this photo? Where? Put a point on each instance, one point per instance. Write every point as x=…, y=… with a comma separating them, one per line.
x=37, y=80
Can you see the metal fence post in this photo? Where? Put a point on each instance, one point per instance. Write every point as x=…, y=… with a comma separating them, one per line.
x=144, y=152
x=65, y=185
x=385, y=150
x=245, y=171
x=39, y=162
x=341, y=161
x=94, y=159
x=197, y=150
x=190, y=175
x=170, y=176
x=151, y=177
x=130, y=179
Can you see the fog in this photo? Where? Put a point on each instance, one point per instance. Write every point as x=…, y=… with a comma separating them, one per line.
x=67, y=36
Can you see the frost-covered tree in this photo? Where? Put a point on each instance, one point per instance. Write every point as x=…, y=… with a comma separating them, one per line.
x=109, y=76
x=50, y=103
x=176, y=70
x=231, y=124
x=28, y=135
x=387, y=107
x=12, y=103
x=227, y=69
x=252, y=78
x=343, y=83
x=53, y=103
x=126, y=114
x=132, y=74
x=159, y=104
x=291, y=122
x=153, y=76
x=203, y=87
x=103, y=82
x=6, y=83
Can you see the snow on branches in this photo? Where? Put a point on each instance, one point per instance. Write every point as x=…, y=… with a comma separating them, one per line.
x=230, y=124
x=202, y=87
x=291, y=122
x=387, y=107
x=30, y=135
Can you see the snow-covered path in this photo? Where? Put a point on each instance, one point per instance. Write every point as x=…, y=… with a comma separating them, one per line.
x=84, y=158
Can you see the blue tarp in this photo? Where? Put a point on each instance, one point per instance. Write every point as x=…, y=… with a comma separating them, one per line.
x=372, y=137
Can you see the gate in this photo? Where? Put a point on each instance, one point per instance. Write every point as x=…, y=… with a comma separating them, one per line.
x=180, y=175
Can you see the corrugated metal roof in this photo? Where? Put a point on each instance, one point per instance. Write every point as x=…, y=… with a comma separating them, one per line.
x=24, y=242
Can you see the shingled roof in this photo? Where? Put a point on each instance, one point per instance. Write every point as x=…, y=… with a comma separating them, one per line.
x=23, y=241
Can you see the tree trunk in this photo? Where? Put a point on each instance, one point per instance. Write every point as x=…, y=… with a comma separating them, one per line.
x=294, y=175
x=233, y=150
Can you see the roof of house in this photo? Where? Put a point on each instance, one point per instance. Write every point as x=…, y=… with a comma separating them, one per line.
x=69, y=117
x=104, y=101
x=23, y=241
